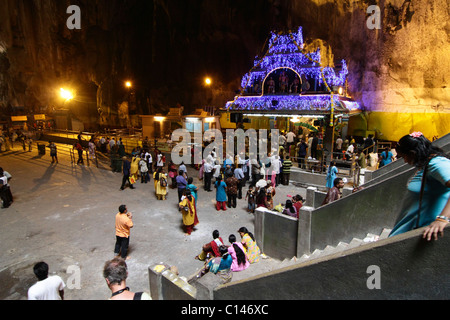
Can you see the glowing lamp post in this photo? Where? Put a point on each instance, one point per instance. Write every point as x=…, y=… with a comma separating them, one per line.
x=67, y=95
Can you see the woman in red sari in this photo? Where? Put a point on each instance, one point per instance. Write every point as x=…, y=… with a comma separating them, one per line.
x=189, y=211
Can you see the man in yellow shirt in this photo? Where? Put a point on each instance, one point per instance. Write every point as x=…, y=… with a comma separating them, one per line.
x=124, y=222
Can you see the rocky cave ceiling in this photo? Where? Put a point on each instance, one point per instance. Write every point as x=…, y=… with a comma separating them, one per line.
x=167, y=47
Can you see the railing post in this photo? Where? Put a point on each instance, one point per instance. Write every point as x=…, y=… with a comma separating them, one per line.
x=259, y=228
x=304, y=231
x=310, y=196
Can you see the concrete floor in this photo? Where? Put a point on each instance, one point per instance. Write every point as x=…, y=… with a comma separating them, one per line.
x=63, y=214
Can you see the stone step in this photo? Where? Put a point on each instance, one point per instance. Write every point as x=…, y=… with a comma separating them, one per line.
x=287, y=262
x=269, y=264
x=385, y=233
x=342, y=246
x=371, y=238
x=355, y=243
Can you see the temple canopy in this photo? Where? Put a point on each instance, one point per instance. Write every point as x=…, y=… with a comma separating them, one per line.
x=289, y=78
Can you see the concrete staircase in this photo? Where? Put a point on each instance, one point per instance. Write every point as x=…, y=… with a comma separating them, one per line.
x=269, y=264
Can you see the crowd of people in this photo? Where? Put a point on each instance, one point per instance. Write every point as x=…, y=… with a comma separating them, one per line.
x=427, y=205
x=12, y=136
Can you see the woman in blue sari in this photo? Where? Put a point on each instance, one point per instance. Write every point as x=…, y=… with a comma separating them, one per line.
x=386, y=157
x=221, y=194
x=331, y=174
x=427, y=201
x=220, y=266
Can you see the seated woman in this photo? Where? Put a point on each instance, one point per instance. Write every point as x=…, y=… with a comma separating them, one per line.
x=220, y=265
x=290, y=210
x=237, y=252
x=297, y=201
x=249, y=243
x=211, y=247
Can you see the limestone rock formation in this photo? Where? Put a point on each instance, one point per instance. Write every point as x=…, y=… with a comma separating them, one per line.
x=399, y=73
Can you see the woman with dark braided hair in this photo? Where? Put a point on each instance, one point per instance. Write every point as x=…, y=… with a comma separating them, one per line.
x=428, y=197
x=238, y=253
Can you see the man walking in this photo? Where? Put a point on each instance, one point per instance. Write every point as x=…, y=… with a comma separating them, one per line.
x=287, y=164
x=334, y=193
x=126, y=173
x=79, y=149
x=124, y=222
x=53, y=151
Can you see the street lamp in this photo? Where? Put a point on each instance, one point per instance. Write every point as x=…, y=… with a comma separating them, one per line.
x=208, y=81
x=128, y=84
x=66, y=94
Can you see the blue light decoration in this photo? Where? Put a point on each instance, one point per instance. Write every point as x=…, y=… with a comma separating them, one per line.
x=319, y=102
x=284, y=53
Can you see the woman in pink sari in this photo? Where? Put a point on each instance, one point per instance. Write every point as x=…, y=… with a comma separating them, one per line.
x=238, y=253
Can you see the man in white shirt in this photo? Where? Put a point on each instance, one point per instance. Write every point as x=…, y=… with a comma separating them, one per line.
x=275, y=165
x=338, y=150
x=47, y=288
x=290, y=137
x=211, y=157
x=208, y=167
x=239, y=174
x=216, y=169
x=5, y=191
x=149, y=159
x=112, y=143
x=350, y=151
x=183, y=168
x=282, y=140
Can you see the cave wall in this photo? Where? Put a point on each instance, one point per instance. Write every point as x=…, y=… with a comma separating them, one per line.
x=398, y=73
x=166, y=47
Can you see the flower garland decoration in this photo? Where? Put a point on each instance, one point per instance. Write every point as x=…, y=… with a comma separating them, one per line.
x=416, y=134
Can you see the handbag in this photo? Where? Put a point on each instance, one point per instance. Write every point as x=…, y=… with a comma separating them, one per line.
x=132, y=179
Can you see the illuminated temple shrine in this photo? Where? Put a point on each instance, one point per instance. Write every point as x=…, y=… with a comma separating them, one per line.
x=292, y=86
